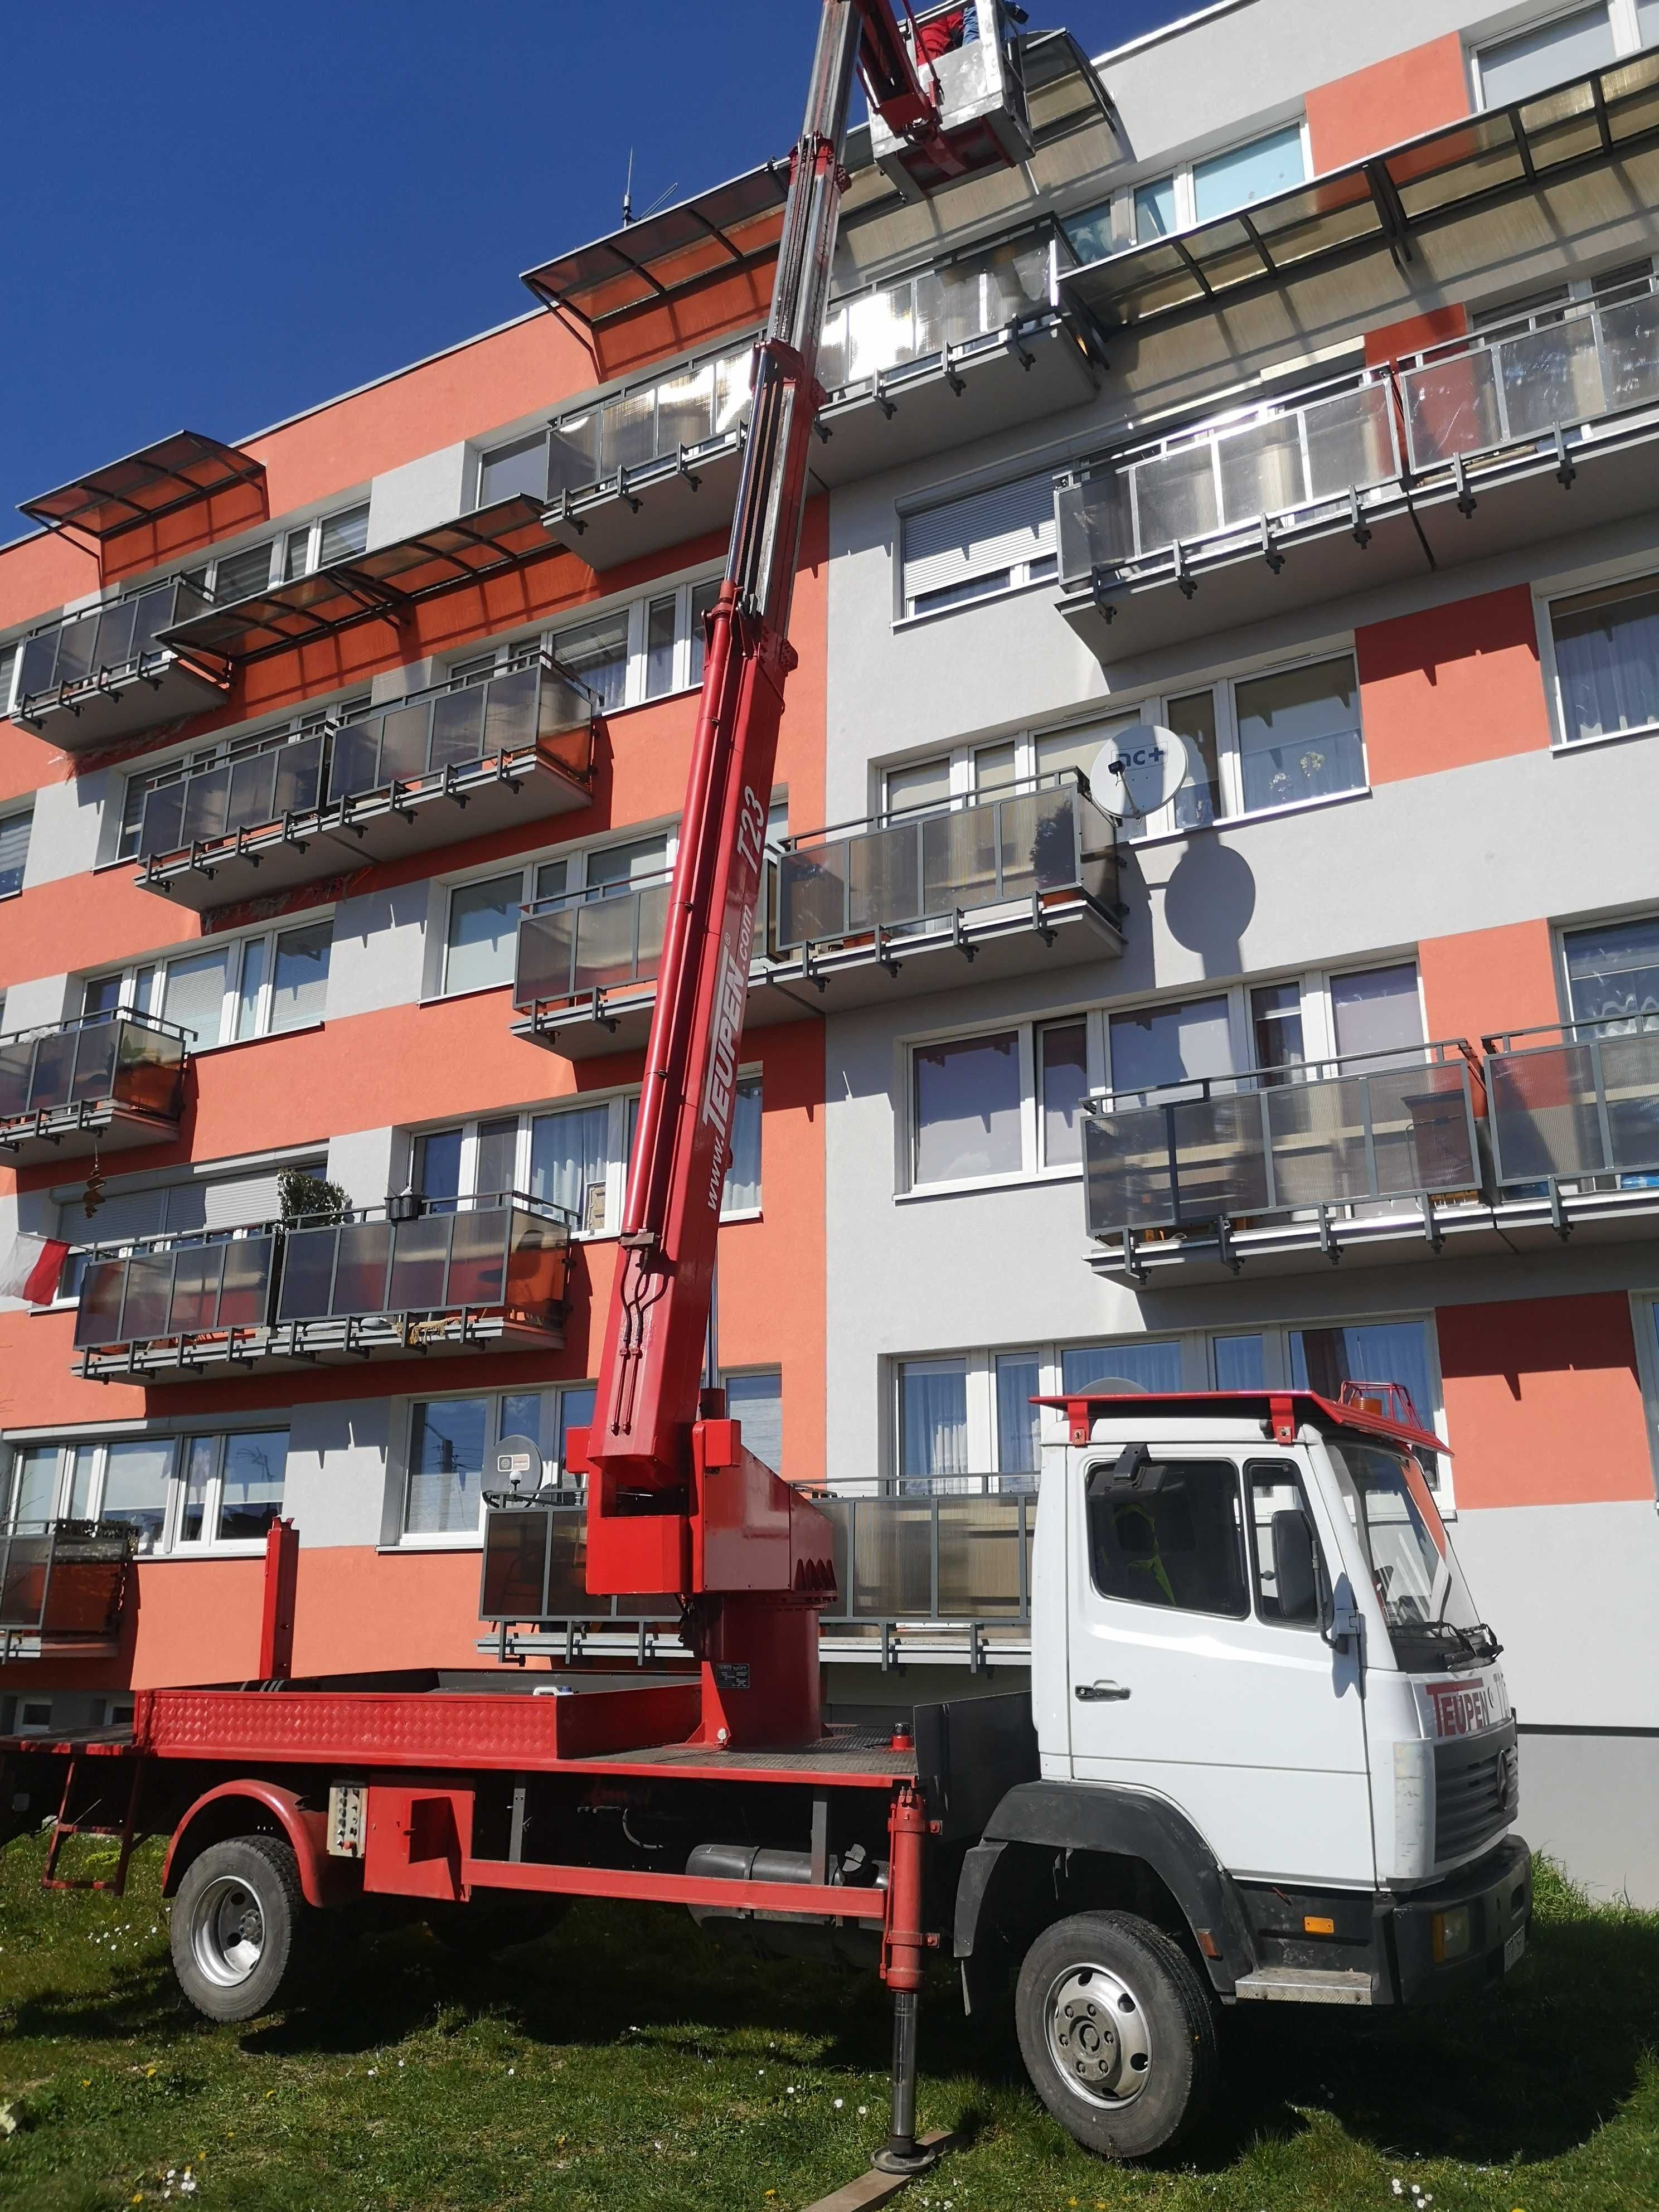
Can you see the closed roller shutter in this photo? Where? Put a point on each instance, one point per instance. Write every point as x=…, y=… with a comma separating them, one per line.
x=1005, y=528
x=223, y=1202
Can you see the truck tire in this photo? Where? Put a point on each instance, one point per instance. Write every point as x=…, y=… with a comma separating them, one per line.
x=239, y=1926
x=1117, y=2032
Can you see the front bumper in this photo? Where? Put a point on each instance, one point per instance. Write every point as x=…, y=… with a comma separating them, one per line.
x=1495, y=1892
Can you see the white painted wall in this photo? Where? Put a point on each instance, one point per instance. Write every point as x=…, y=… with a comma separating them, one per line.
x=419, y=494
x=337, y=1471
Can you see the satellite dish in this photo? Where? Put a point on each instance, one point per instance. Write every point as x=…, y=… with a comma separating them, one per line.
x=1140, y=769
x=517, y=1465
x=1115, y=1386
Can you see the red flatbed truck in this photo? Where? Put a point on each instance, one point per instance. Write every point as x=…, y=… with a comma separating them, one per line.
x=1299, y=1847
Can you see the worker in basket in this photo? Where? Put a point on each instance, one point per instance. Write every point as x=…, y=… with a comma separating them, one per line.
x=952, y=28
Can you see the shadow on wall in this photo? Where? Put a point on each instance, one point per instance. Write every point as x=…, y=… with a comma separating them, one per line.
x=1209, y=903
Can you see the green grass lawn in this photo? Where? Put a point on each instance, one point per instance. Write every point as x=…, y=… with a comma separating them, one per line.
x=626, y=2063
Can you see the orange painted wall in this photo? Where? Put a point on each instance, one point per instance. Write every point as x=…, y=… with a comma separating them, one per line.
x=1393, y=99
x=1543, y=1403
x=1393, y=340
x=1456, y=684
x=1483, y=981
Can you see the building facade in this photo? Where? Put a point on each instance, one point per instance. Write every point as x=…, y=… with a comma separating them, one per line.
x=1298, y=397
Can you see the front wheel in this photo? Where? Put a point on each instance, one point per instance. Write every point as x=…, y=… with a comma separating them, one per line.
x=1117, y=2032
x=239, y=1922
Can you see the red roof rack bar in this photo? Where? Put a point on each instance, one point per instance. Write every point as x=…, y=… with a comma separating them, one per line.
x=175, y=472
x=1277, y=1410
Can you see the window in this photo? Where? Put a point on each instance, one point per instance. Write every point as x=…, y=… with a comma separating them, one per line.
x=250, y=987
x=1063, y=1056
x=1613, y=975
x=969, y=549
x=1276, y=1025
x=248, y=569
x=597, y=651
x=1516, y=68
x=1279, y=1512
x=126, y=1213
x=967, y=1108
x=932, y=1420
x=1195, y=193
x=521, y=467
x=483, y=934
x=756, y=1401
x=7, y=670
x=1605, y=646
x=450, y=1441
x=1286, y=738
x=1160, y=1045
x=161, y=830
x=1323, y=1359
x=1174, y=1540
x=1134, y=1364
x=575, y=1156
x=13, y=852
x=181, y=1493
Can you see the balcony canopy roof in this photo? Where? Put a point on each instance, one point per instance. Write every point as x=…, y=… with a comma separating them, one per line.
x=373, y=585
x=160, y=479
x=1390, y=235
x=738, y=225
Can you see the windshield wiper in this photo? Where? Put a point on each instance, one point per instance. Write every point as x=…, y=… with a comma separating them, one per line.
x=1479, y=1639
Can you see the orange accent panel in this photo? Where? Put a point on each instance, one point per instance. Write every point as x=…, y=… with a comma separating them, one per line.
x=1454, y=684
x=1411, y=336
x=1483, y=981
x=1543, y=1402
x=1394, y=100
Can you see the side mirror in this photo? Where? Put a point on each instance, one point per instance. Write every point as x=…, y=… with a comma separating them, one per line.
x=1296, y=1577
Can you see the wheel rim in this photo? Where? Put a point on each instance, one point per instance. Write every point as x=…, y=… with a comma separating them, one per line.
x=1099, y=2038
x=228, y=1932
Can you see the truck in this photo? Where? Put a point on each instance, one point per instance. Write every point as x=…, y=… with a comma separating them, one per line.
x=1267, y=1755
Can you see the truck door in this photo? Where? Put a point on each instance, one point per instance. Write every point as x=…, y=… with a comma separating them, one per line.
x=1198, y=1667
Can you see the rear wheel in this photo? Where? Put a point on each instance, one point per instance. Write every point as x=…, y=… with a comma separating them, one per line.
x=239, y=1925
x=1117, y=2032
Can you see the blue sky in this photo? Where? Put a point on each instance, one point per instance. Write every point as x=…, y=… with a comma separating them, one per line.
x=217, y=215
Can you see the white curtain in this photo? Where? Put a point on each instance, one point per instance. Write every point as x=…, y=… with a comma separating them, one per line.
x=934, y=1418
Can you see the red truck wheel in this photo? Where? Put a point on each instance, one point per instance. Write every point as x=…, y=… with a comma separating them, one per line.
x=239, y=1922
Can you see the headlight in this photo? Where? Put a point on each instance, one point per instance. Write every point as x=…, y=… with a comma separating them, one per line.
x=1451, y=1935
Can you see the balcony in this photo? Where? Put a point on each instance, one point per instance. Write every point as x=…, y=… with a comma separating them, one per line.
x=390, y=1282
x=938, y=358
x=871, y=910
x=457, y=761
x=63, y=1588
x=103, y=1083
x=1459, y=452
x=107, y=674
x=938, y=1570
x=1379, y=1159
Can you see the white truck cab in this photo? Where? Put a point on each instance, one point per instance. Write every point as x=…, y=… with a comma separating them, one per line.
x=1270, y=1722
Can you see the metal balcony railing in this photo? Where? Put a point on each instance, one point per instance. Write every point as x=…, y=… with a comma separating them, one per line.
x=1583, y=1104
x=580, y=942
x=66, y=1580
x=674, y=418
x=414, y=746
x=1518, y=384
x=1373, y=1127
x=106, y=645
x=1034, y=842
x=1239, y=482
x=505, y=1255
x=1231, y=484
x=92, y=1067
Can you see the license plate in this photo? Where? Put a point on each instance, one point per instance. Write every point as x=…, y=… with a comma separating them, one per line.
x=1513, y=1948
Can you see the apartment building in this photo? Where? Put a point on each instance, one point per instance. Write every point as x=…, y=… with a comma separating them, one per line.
x=1296, y=396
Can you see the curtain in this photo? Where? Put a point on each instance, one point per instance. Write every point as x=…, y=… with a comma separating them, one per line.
x=741, y=1193
x=1606, y=661
x=1020, y=1454
x=570, y=1162
x=933, y=1419
x=1146, y=1366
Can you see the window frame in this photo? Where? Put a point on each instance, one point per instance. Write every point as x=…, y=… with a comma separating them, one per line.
x=142, y=985
x=1152, y=707
x=1216, y=1456
x=636, y=607
x=1546, y=599
x=1022, y=576
x=396, y=1535
x=8, y=816
x=172, y=1544
x=1622, y=21
x=575, y=860
x=205, y=573
x=1182, y=177
x=269, y=736
x=1580, y=925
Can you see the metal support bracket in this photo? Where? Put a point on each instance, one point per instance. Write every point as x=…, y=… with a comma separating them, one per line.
x=1361, y=528
x=883, y=957
x=1270, y=552
x=1044, y=928
x=1433, y=1233
x=1465, y=499
x=1558, y=1221
x=1566, y=474
x=959, y=935
x=1183, y=575
x=1224, y=1248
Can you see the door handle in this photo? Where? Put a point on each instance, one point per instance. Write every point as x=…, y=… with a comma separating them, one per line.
x=1100, y=1694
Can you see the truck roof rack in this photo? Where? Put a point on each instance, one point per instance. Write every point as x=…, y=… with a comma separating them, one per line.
x=1281, y=1413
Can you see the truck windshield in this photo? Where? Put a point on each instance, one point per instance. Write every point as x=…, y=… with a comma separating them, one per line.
x=1417, y=1579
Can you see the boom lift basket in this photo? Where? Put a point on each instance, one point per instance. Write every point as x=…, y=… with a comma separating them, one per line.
x=982, y=107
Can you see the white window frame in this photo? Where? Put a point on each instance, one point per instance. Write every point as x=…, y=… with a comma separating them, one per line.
x=682, y=590
x=1546, y=599
x=7, y=815
x=618, y=1103
x=173, y=1544
x=1621, y=15
x=1561, y=931
x=395, y=1536
x=1197, y=1348
x=206, y=573
x=575, y=857
x=1182, y=175
x=143, y=989
x=1023, y=575
x=1146, y=707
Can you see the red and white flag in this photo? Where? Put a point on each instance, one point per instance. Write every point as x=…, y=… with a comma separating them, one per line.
x=30, y=1266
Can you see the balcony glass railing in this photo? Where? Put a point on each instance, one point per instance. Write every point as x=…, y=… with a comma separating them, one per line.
x=580, y=942
x=1573, y=1103
x=105, y=644
x=429, y=735
x=505, y=1254
x=652, y=422
x=508, y=1253
x=1212, y=485
x=1371, y=1128
x=64, y=1578
x=1032, y=841
x=128, y=1063
x=1518, y=384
